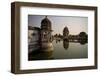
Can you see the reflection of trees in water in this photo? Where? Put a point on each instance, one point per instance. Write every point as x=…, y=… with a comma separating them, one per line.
x=66, y=42
x=82, y=42
x=47, y=54
x=58, y=41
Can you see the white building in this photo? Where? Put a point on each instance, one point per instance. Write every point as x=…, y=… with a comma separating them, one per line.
x=33, y=34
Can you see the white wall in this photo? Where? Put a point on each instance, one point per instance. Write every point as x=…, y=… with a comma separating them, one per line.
x=5, y=42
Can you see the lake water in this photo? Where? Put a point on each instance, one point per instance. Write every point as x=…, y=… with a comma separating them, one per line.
x=61, y=50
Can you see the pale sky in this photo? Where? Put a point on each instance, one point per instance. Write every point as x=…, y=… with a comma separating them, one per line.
x=74, y=24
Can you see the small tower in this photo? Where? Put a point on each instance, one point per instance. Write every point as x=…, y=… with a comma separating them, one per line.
x=46, y=30
x=65, y=32
x=46, y=34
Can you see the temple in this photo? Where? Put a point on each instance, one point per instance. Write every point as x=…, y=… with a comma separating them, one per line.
x=41, y=37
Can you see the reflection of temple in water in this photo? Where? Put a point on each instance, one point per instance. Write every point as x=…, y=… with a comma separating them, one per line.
x=65, y=44
x=38, y=55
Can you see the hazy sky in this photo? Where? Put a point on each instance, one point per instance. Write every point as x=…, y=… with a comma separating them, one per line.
x=74, y=24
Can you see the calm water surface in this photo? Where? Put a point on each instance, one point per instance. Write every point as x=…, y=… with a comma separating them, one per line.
x=62, y=50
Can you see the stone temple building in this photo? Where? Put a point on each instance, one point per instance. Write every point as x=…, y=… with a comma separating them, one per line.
x=41, y=37
x=65, y=32
x=46, y=30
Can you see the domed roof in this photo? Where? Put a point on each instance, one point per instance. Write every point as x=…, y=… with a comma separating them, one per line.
x=46, y=24
x=65, y=29
x=46, y=20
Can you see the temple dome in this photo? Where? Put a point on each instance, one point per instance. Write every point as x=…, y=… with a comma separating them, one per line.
x=46, y=24
x=65, y=31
